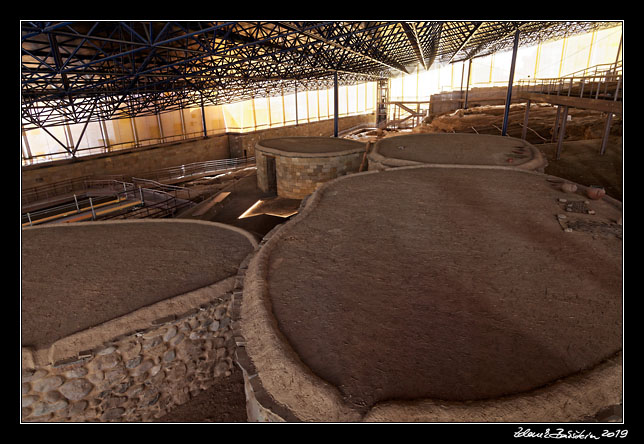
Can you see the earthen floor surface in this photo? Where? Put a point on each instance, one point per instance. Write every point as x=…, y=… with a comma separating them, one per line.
x=457, y=149
x=312, y=145
x=455, y=284
x=80, y=275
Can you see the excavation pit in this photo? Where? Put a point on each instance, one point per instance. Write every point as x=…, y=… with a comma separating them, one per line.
x=455, y=149
x=435, y=294
x=122, y=321
x=293, y=167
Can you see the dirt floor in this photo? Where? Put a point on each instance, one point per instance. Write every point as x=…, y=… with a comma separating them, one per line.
x=496, y=259
x=312, y=145
x=65, y=293
x=224, y=402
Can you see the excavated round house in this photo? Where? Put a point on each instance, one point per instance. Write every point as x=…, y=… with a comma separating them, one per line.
x=455, y=149
x=436, y=294
x=124, y=320
x=293, y=167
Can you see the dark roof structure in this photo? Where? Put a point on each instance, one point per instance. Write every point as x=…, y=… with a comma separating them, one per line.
x=76, y=72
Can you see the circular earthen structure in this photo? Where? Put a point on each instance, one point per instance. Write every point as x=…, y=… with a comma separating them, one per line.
x=293, y=167
x=436, y=294
x=455, y=149
x=122, y=321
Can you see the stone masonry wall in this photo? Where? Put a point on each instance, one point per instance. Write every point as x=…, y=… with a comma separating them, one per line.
x=137, y=376
x=297, y=177
x=260, y=163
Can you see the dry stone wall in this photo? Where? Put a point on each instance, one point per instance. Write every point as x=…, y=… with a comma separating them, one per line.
x=137, y=376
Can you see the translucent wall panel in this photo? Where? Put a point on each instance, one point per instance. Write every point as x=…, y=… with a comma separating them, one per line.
x=425, y=88
x=410, y=86
x=289, y=109
x=550, y=59
x=312, y=105
x=445, y=78
x=233, y=113
x=371, y=93
x=192, y=119
x=277, y=111
x=395, y=88
x=119, y=133
x=147, y=130
x=42, y=145
x=215, y=122
x=323, y=102
x=248, y=119
x=526, y=62
x=171, y=123
x=362, y=96
x=576, y=54
x=500, y=69
x=302, y=107
x=605, y=46
x=343, y=105
x=92, y=138
x=352, y=99
x=261, y=113
x=481, y=71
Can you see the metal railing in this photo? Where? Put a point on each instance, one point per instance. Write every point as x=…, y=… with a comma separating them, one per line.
x=80, y=186
x=81, y=204
x=140, y=202
x=196, y=169
x=601, y=82
x=154, y=204
x=154, y=185
x=44, y=192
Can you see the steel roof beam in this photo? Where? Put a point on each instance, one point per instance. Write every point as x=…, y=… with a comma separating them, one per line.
x=466, y=41
x=391, y=64
x=412, y=36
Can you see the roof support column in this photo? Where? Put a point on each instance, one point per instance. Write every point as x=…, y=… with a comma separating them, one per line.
x=467, y=86
x=508, y=99
x=562, y=132
x=183, y=123
x=335, y=104
x=203, y=118
x=296, y=116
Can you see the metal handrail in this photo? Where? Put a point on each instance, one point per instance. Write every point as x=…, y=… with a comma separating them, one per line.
x=152, y=184
x=196, y=168
x=588, y=85
x=34, y=217
x=35, y=194
x=166, y=207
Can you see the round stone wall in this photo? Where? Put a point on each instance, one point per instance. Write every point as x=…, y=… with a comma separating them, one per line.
x=295, y=167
